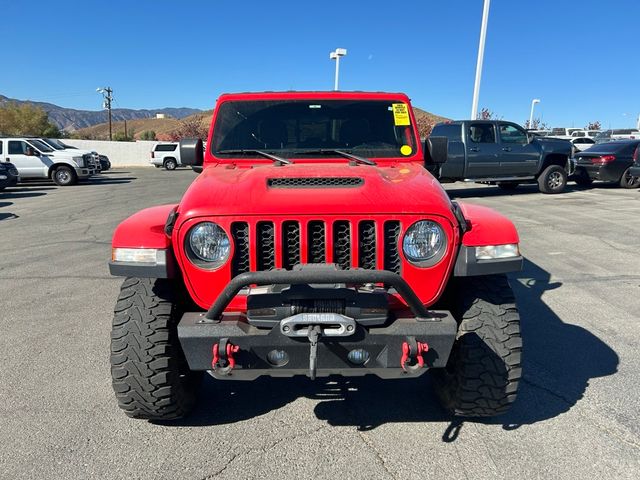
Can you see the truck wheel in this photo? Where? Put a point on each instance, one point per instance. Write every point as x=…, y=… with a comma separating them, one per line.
x=170, y=164
x=150, y=375
x=629, y=181
x=509, y=186
x=64, y=176
x=553, y=179
x=482, y=374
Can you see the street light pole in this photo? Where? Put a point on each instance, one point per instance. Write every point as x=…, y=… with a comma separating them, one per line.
x=107, y=93
x=533, y=104
x=339, y=52
x=483, y=36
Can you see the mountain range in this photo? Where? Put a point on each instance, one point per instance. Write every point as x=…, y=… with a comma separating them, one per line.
x=70, y=120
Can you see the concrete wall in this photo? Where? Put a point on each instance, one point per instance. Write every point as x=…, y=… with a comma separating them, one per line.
x=121, y=154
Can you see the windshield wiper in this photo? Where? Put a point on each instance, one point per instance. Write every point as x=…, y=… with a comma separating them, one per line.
x=342, y=153
x=275, y=158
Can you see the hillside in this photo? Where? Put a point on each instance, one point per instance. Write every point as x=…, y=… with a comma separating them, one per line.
x=70, y=120
x=163, y=127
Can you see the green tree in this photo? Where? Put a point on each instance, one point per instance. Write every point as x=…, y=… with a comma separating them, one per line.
x=121, y=137
x=26, y=119
x=148, y=135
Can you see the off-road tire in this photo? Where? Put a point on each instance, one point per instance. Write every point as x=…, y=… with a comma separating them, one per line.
x=553, y=179
x=629, y=181
x=64, y=176
x=170, y=164
x=149, y=372
x=482, y=375
x=508, y=186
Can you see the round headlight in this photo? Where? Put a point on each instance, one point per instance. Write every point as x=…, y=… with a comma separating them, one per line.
x=424, y=241
x=209, y=243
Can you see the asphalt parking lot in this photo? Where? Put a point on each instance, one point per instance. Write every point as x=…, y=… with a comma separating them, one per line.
x=577, y=416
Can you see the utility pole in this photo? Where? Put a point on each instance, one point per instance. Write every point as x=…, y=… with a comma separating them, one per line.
x=107, y=93
x=483, y=36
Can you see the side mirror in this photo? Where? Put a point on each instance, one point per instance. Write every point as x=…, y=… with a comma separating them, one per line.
x=191, y=152
x=436, y=150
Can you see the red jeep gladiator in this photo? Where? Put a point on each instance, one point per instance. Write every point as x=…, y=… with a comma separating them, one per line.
x=314, y=242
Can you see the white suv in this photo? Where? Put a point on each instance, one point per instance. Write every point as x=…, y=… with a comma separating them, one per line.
x=35, y=159
x=166, y=155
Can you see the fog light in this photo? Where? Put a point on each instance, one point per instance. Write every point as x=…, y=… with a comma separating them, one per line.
x=278, y=358
x=358, y=356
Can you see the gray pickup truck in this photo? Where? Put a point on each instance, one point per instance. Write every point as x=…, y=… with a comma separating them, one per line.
x=501, y=153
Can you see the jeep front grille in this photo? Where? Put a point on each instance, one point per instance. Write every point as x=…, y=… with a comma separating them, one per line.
x=367, y=244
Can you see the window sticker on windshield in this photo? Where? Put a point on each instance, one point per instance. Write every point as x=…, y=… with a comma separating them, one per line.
x=406, y=150
x=400, y=114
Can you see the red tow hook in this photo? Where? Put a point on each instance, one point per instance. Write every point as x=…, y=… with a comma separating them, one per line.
x=223, y=361
x=412, y=351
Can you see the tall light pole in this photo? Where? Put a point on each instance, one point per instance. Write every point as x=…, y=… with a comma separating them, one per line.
x=339, y=52
x=107, y=93
x=483, y=36
x=533, y=104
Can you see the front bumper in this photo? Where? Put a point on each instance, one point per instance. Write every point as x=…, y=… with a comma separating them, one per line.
x=383, y=346
x=85, y=172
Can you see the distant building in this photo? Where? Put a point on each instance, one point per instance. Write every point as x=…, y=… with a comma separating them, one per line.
x=161, y=115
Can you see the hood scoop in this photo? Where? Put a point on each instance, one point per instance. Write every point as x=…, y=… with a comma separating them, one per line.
x=315, y=182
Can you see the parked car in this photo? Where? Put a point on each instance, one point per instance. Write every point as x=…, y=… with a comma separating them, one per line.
x=343, y=257
x=34, y=159
x=608, y=162
x=582, y=143
x=166, y=155
x=9, y=175
x=105, y=163
x=617, y=134
x=502, y=153
x=59, y=146
x=585, y=133
x=562, y=132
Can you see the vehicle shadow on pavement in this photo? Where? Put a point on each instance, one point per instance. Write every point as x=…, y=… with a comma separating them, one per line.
x=494, y=191
x=106, y=181
x=6, y=215
x=8, y=194
x=559, y=359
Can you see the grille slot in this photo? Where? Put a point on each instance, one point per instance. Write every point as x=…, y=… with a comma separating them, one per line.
x=342, y=244
x=315, y=182
x=240, y=261
x=290, y=244
x=367, y=244
x=266, y=248
x=391, y=255
x=316, y=242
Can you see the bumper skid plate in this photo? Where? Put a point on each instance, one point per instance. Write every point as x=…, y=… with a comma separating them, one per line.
x=317, y=346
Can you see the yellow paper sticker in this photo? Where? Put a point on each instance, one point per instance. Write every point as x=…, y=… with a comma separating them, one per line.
x=406, y=150
x=400, y=114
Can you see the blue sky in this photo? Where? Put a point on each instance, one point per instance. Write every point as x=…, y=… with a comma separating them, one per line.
x=579, y=57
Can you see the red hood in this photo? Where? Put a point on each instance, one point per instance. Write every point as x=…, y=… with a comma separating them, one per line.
x=393, y=189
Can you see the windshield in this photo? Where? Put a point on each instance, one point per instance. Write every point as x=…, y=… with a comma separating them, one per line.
x=53, y=143
x=311, y=128
x=40, y=145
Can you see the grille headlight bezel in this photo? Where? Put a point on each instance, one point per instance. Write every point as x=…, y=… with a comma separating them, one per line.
x=208, y=245
x=424, y=244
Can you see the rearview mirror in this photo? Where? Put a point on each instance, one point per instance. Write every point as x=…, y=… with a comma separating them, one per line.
x=191, y=152
x=436, y=150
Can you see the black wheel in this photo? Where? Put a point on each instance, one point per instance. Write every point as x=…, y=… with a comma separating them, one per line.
x=64, y=176
x=553, y=179
x=629, y=181
x=170, y=164
x=509, y=186
x=582, y=179
x=150, y=375
x=482, y=375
